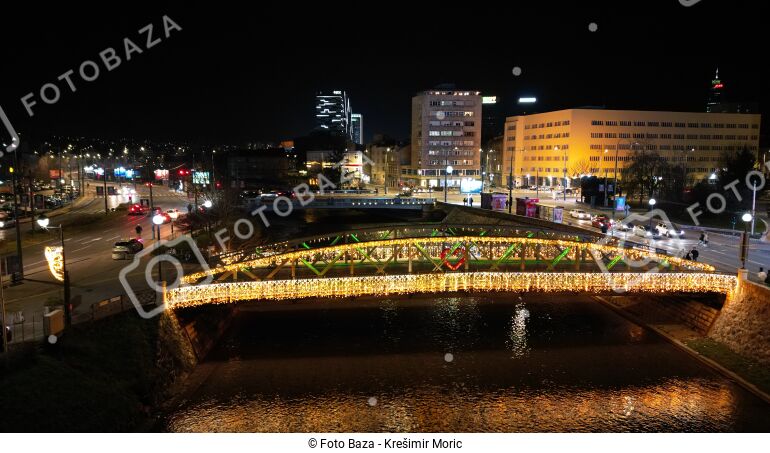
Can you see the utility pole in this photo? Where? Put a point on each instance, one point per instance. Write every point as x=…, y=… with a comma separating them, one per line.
x=510, y=183
x=104, y=181
x=16, y=215
x=31, y=201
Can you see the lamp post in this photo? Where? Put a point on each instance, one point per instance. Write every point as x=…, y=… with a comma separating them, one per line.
x=510, y=183
x=564, y=163
x=44, y=223
x=158, y=219
x=747, y=218
x=448, y=170
x=652, y=205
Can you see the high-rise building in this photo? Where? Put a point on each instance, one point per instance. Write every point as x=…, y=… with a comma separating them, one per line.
x=547, y=147
x=446, y=131
x=332, y=112
x=357, y=128
x=715, y=93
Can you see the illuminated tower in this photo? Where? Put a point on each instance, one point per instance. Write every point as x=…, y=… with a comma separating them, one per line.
x=715, y=93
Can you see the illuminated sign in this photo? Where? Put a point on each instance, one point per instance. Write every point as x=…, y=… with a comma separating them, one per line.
x=200, y=177
x=55, y=258
x=489, y=99
x=120, y=171
x=718, y=85
x=531, y=100
x=470, y=186
x=161, y=175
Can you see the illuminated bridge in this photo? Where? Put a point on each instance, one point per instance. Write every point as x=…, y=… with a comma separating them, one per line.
x=430, y=258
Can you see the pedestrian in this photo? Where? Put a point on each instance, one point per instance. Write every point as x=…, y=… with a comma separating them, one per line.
x=139, y=230
x=470, y=201
x=189, y=208
x=702, y=237
x=694, y=252
x=705, y=239
x=465, y=201
x=688, y=256
x=762, y=275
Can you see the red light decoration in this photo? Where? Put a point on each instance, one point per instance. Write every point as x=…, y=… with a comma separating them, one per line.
x=718, y=85
x=459, y=251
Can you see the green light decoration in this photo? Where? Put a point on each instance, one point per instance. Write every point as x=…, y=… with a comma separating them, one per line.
x=614, y=261
x=560, y=257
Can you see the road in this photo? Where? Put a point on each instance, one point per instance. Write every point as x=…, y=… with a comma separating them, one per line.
x=93, y=273
x=722, y=250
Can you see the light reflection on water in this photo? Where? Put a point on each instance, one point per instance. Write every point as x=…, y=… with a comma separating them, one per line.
x=538, y=364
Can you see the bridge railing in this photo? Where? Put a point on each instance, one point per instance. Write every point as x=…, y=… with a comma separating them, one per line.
x=386, y=285
x=409, y=230
x=451, y=254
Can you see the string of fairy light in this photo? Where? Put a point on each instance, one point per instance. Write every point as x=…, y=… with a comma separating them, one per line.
x=387, y=285
x=435, y=246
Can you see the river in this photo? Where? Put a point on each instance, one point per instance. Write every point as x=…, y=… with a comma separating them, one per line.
x=490, y=363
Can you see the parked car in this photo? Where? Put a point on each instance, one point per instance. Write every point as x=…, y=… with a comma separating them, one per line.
x=124, y=249
x=579, y=214
x=645, y=232
x=664, y=230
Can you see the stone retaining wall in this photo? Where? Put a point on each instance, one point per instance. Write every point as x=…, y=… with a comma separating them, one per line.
x=744, y=322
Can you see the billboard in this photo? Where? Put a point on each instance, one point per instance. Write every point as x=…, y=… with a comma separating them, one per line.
x=470, y=186
x=54, y=174
x=620, y=203
x=161, y=175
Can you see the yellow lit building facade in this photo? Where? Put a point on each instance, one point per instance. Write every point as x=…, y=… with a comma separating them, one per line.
x=578, y=142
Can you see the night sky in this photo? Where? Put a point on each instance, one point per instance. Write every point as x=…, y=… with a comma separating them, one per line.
x=236, y=74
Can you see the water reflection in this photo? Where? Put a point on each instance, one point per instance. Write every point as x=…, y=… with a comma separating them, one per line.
x=517, y=340
x=561, y=364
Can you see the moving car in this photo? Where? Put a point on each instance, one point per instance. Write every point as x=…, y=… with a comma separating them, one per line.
x=669, y=230
x=137, y=209
x=7, y=222
x=125, y=249
x=600, y=220
x=579, y=214
x=623, y=226
x=645, y=232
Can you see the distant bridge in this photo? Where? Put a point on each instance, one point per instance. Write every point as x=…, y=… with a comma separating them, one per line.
x=336, y=202
x=430, y=258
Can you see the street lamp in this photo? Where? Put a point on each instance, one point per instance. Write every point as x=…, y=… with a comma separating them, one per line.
x=747, y=218
x=448, y=170
x=44, y=223
x=207, y=204
x=158, y=219
x=652, y=205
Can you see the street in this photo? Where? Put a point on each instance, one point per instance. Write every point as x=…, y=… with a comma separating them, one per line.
x=93, y=272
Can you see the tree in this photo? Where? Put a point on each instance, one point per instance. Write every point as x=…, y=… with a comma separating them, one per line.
x=736, y=167
x=646, y=173
x=581, y=167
